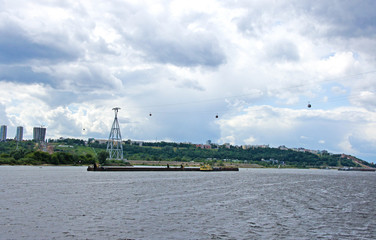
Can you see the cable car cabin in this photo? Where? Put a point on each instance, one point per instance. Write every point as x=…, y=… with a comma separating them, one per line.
x=309, y=105
x=150, y=114
x=216, y=116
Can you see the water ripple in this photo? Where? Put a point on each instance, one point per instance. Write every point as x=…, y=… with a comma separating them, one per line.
x=71, y=203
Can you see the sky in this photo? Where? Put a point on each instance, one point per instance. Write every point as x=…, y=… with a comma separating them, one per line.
x=256, y=64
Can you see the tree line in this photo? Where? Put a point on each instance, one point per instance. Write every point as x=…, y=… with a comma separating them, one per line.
x=26, y=152
x=262, y=156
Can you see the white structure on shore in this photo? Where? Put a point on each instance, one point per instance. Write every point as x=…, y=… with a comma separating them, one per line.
x=3, y=133
x=39, y=134
x=19, y=134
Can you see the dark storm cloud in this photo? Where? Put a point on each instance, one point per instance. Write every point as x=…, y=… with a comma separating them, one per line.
x=175, y=44
x=348, y=19
x=23, y=74
x=164, y=39
x=344, y=18
x=191, y=50
x=86, y=77
x=16, y=47
x=56, y=98
x=260, y=16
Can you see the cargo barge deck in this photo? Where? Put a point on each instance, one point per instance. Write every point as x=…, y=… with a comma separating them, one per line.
x=357, y=169
x=160, y=169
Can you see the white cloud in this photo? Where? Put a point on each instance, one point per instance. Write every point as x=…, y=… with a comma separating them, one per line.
x=337, y=64
x=346, y=146
x=250, y=140
x=281, y=126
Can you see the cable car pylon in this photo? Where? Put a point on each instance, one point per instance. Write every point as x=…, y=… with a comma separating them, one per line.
x=114, y=144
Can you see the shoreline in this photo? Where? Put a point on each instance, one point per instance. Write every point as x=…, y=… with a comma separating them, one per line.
x=164, y=164
x=179, y=163
x=189, y=164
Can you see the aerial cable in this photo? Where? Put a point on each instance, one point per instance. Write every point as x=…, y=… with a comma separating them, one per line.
x=305, y=85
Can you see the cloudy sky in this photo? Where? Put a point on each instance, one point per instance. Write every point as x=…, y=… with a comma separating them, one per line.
x=257, y=64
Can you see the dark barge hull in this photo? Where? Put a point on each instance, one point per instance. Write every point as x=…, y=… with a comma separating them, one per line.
x=358, y=169
x=159, y=169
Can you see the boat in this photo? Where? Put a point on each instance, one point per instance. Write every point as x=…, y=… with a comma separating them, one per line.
x=357, y=169
x=206, y=167
x=97, y=168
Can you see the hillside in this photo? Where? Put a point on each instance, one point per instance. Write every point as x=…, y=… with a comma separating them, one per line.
x=75, y=151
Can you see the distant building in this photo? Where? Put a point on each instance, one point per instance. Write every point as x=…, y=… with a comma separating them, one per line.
x=314, y=151
x=283, y=147
x=3, y=133
x=227, y=145
x=19, y=134
x=215, y=145
x=99, y=141
x=271, y=160
x=207, y=146
x=204, y=146
x=39, y=134
x=139, y=143
x=261, y=146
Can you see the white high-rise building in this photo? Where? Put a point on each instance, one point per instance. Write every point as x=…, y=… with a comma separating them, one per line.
x=39, y=133
x=19, y=134
x=3, y=133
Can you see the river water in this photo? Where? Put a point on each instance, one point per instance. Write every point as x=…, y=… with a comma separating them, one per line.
x=71, y=203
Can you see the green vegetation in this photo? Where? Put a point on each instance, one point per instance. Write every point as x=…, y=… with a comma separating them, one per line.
x=268, y=157
x=102, y=156
x=75, y=152
x=28, y=153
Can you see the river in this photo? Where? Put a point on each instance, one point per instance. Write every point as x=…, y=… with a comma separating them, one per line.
x=71, y=203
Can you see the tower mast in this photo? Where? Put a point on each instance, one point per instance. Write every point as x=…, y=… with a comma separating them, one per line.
x=114, y=144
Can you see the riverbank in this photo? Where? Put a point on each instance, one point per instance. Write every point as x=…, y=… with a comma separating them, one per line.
x=189, y=164
x=152, y=163
x=178, y=164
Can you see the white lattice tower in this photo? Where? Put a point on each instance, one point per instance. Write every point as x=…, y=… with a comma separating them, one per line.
x=114, y=144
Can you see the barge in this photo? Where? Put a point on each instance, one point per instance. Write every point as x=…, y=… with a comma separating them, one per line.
x=97, y=168
x=357, y=169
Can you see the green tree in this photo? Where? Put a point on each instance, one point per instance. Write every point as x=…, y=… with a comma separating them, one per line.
x=18, y=154
x=39, y=157
x=102, y=156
